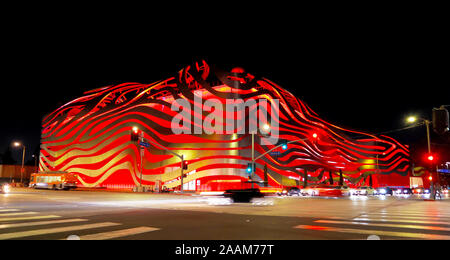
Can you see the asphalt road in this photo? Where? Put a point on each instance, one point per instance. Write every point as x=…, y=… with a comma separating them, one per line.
x=94, y=215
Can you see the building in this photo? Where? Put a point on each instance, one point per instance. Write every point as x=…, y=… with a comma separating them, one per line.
x=91, y=136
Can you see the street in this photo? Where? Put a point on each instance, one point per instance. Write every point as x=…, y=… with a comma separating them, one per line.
x=99, y=215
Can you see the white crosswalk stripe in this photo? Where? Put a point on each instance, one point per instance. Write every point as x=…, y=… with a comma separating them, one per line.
x=8, y=210
x=16, y=214
x=431, y=222
x=118, y=233
x=28, y=218
x=48, y=231
x=40, y=223
x=10, y=221
x=418, y=225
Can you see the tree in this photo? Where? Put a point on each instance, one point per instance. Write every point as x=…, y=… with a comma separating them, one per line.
x=305, y=183
x=341, y=178
x=266, y=177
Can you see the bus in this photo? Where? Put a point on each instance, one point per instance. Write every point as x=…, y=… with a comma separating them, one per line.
x=53, y=180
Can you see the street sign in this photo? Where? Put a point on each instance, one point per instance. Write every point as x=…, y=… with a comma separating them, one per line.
x=276, y=153
x=144, y=144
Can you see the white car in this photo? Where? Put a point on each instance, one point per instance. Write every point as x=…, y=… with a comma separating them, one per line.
x=4, y=189
x=346, y=191
x=365, y=191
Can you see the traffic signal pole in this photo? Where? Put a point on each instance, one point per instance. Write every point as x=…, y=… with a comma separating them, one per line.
x=169, y=151
x=262, y=155
x=142, y=153
x=432, y=189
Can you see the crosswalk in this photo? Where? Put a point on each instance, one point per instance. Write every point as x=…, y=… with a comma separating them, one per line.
x=395, y=224
x=17, y=224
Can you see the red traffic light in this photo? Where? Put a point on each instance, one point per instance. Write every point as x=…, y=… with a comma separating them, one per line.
x=185, y=165
x=430, y=158
x=430, y=178
x=134, y=135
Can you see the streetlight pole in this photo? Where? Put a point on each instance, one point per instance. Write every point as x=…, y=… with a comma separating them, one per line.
x=23, y=163
x=17, y=144
x=412, y=119
x=253, y=158
x=142, y=153
x=143, y=139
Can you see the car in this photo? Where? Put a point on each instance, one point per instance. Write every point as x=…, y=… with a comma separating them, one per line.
x=322, y=190
x=292, y=191
x=5, y=188
x=406, y=191
x=364, y=191
x=346, y=191
x=244, y=195
x=384, y=191
x=418, y=190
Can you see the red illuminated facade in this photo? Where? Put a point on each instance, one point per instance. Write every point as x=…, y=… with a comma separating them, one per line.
x=90, y=136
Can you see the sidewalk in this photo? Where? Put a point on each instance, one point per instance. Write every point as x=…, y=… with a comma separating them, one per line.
x=18, y=189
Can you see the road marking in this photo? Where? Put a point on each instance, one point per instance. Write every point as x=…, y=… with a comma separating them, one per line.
x=347, y=222
x=374, y=232
x=16, y=214
x=29, y=218
x=437, y=215
x=405, y=217
x=8, y=210
x=55, y=230
x=119, y=233
x=39, y=223
x=402, y=220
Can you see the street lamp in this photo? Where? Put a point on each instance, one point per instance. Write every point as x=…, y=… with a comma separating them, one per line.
x=18, y=144
x=413, y=119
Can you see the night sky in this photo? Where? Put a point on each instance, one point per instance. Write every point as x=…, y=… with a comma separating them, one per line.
x=369, y=83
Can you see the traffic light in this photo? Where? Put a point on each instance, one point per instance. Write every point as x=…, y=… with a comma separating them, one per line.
x=249, y=168
x=284, y=144
x=185, y=165
x=440, y=120
x=430, y=158
x=135, y=135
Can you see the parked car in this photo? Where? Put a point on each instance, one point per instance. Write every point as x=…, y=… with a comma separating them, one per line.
x=364, y=191
x=346, y=191
x=405, y=191
x=322, y=190
x=292, y=191
x=384, y=191
x=418, y=190
x=4, y=188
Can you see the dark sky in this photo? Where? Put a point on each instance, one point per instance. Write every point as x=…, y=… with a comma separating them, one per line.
x=362, y=81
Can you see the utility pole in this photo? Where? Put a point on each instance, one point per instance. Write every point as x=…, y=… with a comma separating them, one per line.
x=253, y=158
x=142, y=153
x=182, y=173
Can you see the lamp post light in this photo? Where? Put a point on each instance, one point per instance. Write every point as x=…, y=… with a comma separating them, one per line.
x=413, y=119
x=18, y=144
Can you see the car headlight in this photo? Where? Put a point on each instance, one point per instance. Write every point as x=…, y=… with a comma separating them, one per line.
x=383, y=191
x=284, y=191
x=6, y=188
